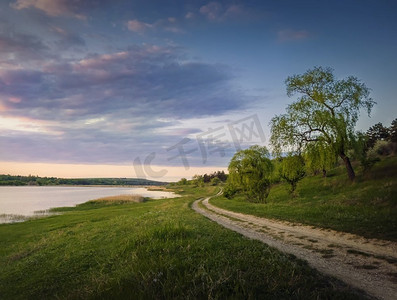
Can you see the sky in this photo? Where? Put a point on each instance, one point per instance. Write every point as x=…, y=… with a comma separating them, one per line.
x=167, y=89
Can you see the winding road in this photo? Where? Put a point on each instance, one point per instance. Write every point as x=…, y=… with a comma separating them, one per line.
x=367, y=264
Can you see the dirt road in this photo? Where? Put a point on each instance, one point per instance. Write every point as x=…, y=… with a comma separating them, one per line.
x=366, y=264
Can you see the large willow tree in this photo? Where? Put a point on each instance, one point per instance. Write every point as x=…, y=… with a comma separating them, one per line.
x=326, y=112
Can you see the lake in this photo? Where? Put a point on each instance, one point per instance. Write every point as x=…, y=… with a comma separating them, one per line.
x=26, y=200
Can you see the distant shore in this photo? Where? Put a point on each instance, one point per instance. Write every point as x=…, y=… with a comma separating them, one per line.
x=17, y=180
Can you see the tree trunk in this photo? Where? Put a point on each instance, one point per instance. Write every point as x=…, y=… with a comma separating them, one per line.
x=348, y=165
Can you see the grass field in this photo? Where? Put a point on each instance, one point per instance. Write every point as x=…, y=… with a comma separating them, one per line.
x=366, y=207
x=154, y=249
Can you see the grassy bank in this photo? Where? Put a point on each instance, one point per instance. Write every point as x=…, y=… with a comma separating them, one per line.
x=152, y=249
x=367, y=207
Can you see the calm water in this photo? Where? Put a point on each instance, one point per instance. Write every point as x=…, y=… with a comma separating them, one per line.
x=25, y=200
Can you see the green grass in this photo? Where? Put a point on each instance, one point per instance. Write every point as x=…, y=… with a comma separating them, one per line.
x=366, y=207
x=155, y=249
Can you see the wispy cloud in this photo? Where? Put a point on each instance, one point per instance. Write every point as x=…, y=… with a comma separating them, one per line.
x=15, y=46
x=138, y=26
x=52, y=7
x=67, y=39
x=216, y=11
x=189, y=15
x=170, y=25
x=213, y=10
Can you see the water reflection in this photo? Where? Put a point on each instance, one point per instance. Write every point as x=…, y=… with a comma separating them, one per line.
x=19, y=202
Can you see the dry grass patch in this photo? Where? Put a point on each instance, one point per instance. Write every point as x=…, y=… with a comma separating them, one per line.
x=120, y=199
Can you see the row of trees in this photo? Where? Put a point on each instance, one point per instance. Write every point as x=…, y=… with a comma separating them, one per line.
x=252, y=173
x=7, y=180
x=315, y=131
x=214, y=178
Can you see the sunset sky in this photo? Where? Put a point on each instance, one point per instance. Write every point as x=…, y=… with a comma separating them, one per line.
x=121, y=88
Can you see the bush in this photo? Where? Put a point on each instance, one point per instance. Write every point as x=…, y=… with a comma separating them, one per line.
x=229, y=191
x=381, y=148
x=292, y=170
x=215, y=181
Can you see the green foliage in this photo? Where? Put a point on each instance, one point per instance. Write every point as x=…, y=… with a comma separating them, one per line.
x=375, y=143
x=376, y=133
x=319, y=157
x=218, y=174
x=213, y=178
x=183, y=181
x=250, y=171
x=326, y=112
x=198, y=180
x=292, y=170
x=368, y=207
x=393, y=131
x=215, y=181
x=382, y=148
x=230, y=190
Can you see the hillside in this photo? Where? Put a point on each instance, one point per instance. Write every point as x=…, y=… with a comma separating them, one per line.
x=367, y=207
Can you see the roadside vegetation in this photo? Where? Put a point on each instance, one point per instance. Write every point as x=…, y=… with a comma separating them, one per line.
x=367, y=207
x=153, y=249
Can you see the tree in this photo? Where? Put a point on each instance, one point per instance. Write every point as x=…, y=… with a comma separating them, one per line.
x=319, y=157
x=292, y=170
x=198, y=180
x=377, y=133
x=183, y=181
x=326, y=112
x=393, y=131
x=215, y=181
x=250, y=171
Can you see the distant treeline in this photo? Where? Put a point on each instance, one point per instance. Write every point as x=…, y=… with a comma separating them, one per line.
x=36, y=180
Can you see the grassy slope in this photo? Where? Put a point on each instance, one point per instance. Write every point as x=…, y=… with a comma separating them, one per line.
x=155, y=249
x=367, y=207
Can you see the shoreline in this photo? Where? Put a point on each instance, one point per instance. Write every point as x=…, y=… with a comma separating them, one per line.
x=17, y=217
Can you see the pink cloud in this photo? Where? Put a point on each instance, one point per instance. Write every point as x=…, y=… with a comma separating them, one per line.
x=101, y=61
x=50, y=7
x=14, y=99
x=292, y=35
x=3, y=107
x=213, y=11
x=138, y=26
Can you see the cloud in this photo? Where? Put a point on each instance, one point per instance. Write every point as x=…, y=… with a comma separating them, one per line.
x=292, y=35
x=19, y=49
x=189, y=15
x=111, y=107
x=67, y=39
x=215, y=11
x=170, y=25
x=15, y=46
x=53, y=8
x=138, y=26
